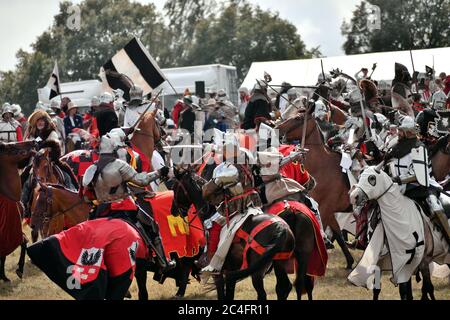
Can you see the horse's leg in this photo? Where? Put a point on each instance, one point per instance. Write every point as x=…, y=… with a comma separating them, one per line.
x=409, y=287
x=21, y=264
x=230, y=286
x=405, y=289
x=185, y=266
x=284, y=286
x=34, y=235
x=2, y=270
x=427, y=285
x=300, y=279
x=141, y=279
x=376, y=293
x=309, y=286
x=258, y=284
x=340, y=240
x=220, y=286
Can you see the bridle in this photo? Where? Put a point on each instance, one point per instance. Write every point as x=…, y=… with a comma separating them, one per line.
x=49, y=203
x=180, y=185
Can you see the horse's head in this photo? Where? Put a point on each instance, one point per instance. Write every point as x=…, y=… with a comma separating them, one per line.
x=292, y=128
x=42, y=165
x=42, y=161
x=40, y=218
x=17, y=152
x=187, y=192
x=373, y=184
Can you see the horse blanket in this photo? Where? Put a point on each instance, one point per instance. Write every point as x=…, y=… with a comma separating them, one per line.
x=319, y=257
x=10, y=227
x=181, y=236
x=92, y=260
x=400, y=233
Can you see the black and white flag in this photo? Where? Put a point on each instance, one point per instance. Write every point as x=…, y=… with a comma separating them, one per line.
x=53, y=83
x=133, y=63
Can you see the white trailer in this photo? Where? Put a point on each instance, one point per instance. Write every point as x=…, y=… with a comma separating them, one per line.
x=79, y=92
x=215, y=76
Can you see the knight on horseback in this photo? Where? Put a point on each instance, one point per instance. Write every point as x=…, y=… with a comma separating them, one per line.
x=408, y=165
x=232, y=191
x=274, y=187
x=106, y=186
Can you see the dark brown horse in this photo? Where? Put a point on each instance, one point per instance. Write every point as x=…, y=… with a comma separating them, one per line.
x=187, y=189
x=440, y=158
x=331, y=191
x=13, y=156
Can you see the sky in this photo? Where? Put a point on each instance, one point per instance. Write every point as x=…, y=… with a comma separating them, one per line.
x=318, y=22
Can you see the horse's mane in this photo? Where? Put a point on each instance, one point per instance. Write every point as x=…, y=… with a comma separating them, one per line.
x=60, y=187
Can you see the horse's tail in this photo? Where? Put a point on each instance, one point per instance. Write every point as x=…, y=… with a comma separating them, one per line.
x=280, y=239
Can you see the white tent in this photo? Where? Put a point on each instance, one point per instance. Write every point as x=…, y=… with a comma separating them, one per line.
x=304, y=72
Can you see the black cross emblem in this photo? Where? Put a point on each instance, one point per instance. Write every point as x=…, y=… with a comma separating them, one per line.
x=413, y=250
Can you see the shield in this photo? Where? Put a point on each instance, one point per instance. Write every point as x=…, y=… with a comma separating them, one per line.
x=443, y=121
x=419, y=158
x=89, y=175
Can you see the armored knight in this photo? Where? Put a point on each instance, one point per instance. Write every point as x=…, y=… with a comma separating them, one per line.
x=407, y=162
x=232, y=191
x=274, y=187
x=106, y=186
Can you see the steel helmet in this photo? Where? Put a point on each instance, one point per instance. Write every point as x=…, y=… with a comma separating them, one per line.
x=408, y=124
x=136, y=93
x=106, y=97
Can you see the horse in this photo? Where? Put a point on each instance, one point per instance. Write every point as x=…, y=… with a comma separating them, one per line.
x=94, y=260
x=403, y=228
x=13, y=156
x=331, y=191
x=146, y=135
x=440, y=158
x=47, y=169
x=58, y=208
x=187, y=188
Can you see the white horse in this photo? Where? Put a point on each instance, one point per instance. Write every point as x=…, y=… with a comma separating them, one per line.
x=403, y=241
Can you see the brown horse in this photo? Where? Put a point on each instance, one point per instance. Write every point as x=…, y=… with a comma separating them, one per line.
x=57, y=208
x=440, y=158
x=13, y=156
x=331, y=191
x=187, y=192
x=44, y=171
x=146, y=135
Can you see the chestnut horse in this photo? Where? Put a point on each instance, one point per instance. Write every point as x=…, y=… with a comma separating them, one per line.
x=331, y=191
x=13, y=156
x=146, y=135
x=57, y=208
x=46, y=169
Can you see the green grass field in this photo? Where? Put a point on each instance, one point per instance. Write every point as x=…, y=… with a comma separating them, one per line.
x=35, y=285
